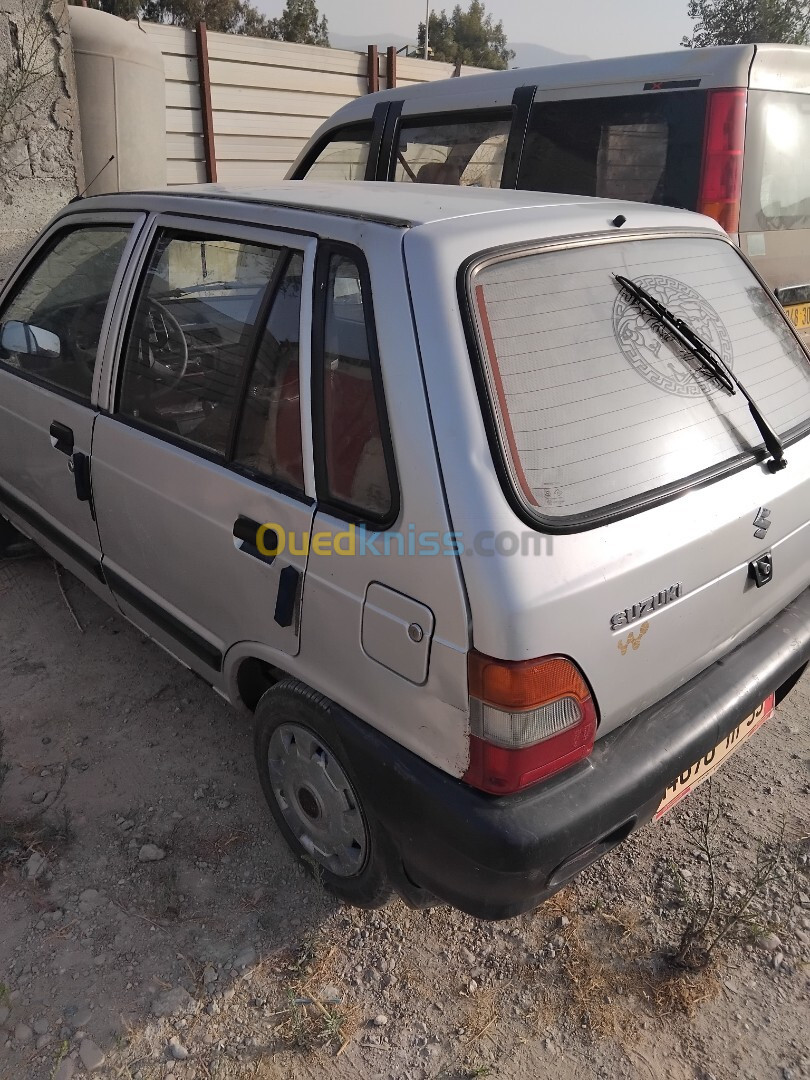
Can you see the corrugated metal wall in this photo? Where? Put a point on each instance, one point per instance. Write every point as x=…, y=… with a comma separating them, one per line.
x=267, y=99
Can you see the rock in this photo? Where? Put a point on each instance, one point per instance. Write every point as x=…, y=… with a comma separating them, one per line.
x=78, y=1017
x=40, y=1025
x=92, y=1057
x=769, y=942
x=39, y=796
x=175, y=1002
x=209, y=975
x=472, y=986
x=35, y=865
x=245, y=958
x=23, y=1034
x=43, y=1041
x=65, y=1069
x=151, y=853
x=777, y=959
x=563, y=921
x=89, y=899
x=5, y=1012
x=329, y=995
x=177, y=1050
x=380, y=1020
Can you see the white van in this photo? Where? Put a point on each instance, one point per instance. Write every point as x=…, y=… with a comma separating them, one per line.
x=724, y=131
x=461, y=492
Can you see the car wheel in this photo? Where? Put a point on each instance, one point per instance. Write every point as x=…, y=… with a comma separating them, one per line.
x=311, y=792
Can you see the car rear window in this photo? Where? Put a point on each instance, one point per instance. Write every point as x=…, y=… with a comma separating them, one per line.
x=644, y=147
x=595, y=408
x=776, y=184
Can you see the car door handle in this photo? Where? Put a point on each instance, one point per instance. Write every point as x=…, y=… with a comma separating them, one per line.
x=252, y=534
x=287, y=596
x=63, y=438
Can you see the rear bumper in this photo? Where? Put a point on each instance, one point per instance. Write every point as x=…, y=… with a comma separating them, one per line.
x=495, y=857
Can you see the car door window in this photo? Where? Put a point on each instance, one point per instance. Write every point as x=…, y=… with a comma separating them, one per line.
x=51, y=325
x=464, y=152
x=191, y=332
x=344, y=157
x=269, y=440
x=355, y=469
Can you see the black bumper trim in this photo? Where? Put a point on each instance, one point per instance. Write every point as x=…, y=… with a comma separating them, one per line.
x=495, y=857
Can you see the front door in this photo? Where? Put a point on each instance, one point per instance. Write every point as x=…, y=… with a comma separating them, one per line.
x=198, y=470
x=51, y=324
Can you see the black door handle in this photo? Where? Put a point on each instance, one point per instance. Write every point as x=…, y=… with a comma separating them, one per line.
x=63, y=436
x=287, y=595
x=247, y=530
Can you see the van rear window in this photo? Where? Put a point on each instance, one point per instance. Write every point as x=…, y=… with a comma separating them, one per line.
x=776, y=182
x=595, y=407
x=645, y=147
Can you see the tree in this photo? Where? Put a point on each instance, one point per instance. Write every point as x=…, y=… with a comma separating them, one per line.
x=300, y=21
x=744, y=22
x=467, y=37
x=225, y=16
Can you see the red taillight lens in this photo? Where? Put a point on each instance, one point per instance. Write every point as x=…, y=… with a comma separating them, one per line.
x=529, y=719
x=722, y=165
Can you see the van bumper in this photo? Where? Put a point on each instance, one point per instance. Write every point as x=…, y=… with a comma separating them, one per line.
x=497, y=856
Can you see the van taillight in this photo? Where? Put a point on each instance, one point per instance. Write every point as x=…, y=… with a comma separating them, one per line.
x=722, y=164
x=528, y=719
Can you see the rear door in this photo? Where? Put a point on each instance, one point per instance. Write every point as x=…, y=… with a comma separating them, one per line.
x=650, y=476
x=198, y=467
x=52, y=324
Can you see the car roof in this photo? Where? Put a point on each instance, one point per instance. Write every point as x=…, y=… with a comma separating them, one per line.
x=765, y=66
x=400, y=205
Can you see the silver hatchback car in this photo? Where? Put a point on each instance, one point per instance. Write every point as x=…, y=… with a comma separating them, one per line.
x=492, y=506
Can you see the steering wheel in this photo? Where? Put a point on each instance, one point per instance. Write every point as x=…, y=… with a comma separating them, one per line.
x=161, y=344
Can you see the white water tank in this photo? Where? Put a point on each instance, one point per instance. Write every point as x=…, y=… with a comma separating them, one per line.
x=122, y=102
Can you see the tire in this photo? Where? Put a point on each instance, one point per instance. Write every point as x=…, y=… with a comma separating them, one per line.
x=312, y=793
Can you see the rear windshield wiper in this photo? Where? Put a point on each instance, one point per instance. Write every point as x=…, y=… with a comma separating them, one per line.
x=711, y=362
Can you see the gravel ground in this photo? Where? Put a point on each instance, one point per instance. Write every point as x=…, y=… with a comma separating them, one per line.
x=154, y=925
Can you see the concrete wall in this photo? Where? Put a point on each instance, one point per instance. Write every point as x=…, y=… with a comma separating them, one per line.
x=267, y=99
x=40, y=149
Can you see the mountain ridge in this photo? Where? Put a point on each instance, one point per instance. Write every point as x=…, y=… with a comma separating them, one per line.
x=527, y=54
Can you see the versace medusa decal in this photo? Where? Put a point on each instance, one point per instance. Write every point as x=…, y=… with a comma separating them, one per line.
x=654, y=352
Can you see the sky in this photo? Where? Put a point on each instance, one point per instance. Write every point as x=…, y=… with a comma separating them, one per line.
x=595, y=28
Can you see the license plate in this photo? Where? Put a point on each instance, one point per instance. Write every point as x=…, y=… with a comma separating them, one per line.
x=703, y=768
x=799, y=315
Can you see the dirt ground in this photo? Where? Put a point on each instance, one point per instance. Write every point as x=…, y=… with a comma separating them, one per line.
x=153, y=924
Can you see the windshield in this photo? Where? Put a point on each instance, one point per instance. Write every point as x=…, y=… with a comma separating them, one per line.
x=594, y=404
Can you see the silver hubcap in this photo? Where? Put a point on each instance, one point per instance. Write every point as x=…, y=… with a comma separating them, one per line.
x=317, y=800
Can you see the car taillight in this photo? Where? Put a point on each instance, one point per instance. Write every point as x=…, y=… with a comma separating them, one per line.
x=722, y=164
x=528, y=719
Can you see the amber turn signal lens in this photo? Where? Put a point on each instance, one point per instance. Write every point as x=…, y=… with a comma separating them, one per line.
x=515, y=685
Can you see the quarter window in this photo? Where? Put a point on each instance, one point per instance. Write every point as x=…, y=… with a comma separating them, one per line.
x=270, y=428
x=355, y=466
x=51, y=326
x=191, y=333
x=459, y=152
x=344, y=157
x=643, y=147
